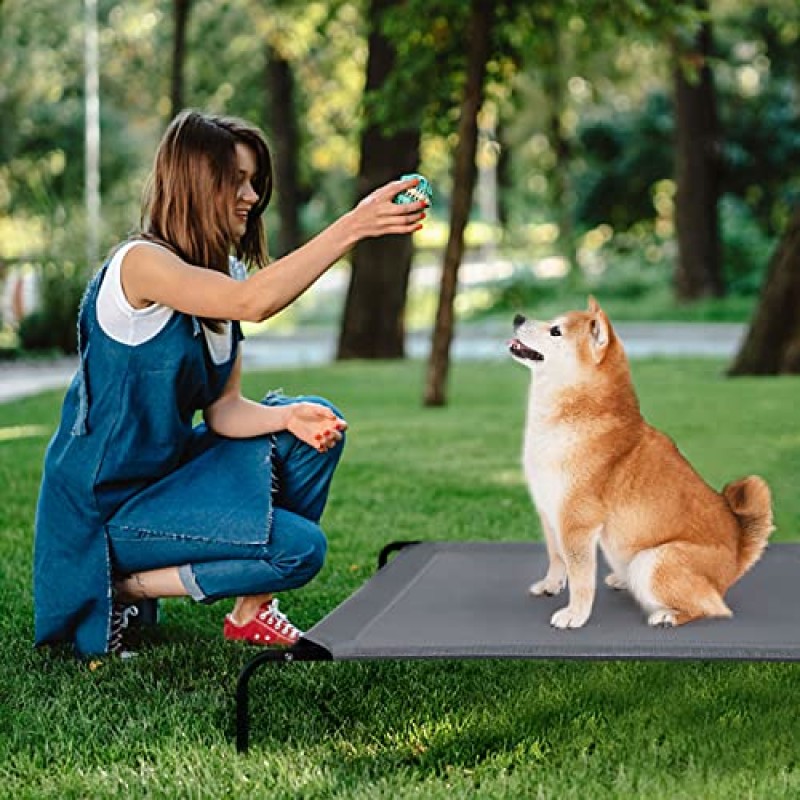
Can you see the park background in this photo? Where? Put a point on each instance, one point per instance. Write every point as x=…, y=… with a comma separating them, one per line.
x=640, y=150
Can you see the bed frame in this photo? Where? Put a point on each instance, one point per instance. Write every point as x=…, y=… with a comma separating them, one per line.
x=445, y=599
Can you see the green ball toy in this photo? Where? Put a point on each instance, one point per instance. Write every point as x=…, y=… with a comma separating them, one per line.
x=422, y=191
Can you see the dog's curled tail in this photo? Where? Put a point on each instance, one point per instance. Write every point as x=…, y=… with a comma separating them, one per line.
x=751, y=502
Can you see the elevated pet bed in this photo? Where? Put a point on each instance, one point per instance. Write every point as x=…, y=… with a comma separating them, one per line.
x=469, y=600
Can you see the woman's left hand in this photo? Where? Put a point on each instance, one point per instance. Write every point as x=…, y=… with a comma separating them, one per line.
x=315, y=424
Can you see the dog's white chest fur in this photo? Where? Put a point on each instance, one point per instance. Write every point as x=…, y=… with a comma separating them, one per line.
x=544, y=449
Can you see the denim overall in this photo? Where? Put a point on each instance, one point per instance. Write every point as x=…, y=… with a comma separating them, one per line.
x=129, y=484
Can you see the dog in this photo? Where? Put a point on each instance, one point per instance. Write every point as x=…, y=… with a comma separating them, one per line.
x=598, y=474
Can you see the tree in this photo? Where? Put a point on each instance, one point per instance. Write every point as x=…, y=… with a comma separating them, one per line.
x=92, y=133
x=697, y=151
x=180, y=14
x=373, y=321
x=553, y=79
x=279, y=80
x=478, y=46
x=772, y=343
x=302, y=48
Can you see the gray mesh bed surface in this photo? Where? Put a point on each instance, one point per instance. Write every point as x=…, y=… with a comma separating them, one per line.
x=470, y=600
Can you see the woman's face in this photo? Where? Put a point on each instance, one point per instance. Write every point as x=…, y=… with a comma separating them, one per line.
x=246, y=196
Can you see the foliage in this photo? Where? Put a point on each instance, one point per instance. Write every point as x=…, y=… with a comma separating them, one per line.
x=617, y=118
x=605, y=62
x=632, y=267
x=425, y=90
x=53, y=326
x=429, y=37
x=747, y=247
x=624, y=156
x=325, y=45
x=41, y=157
x=161, y=725
x=758, y=82
x=623, y=153
x=630, y=292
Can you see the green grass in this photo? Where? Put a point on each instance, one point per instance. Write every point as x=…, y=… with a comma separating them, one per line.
x=161, y=726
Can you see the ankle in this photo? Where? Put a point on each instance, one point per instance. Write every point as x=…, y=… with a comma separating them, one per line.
x=238, y=618
x=130, y=589
x=246, y=608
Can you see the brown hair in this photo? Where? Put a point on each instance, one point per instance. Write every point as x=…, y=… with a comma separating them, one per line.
x=195, y=176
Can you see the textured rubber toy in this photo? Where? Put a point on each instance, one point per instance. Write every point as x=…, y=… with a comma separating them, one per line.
x=422, y=191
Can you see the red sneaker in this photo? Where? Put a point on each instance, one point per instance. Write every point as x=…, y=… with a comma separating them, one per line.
x=269, y=627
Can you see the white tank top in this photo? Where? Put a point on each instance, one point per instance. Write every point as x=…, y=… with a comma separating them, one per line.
x=134, y=326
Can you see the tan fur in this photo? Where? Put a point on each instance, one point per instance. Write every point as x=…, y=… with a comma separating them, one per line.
x=600, y=475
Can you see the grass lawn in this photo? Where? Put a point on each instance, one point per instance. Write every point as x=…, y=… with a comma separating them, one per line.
x=161, y=726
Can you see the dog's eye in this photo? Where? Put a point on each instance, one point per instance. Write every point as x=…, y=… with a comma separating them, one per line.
x=555, y=331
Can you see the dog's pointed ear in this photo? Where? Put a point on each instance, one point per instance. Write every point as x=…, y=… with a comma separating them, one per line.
x=601, y=333
x=593, y=307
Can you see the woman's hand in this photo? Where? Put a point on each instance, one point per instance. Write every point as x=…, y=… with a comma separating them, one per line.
x=377, y=215
x=315, y=424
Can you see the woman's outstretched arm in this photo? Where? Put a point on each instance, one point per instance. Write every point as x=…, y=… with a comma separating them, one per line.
x=155, y=275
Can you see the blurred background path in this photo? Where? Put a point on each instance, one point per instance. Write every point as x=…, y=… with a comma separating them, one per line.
x=474, y=341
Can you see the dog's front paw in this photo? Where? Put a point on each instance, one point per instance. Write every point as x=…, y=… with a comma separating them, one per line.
x=568, y=617
x=615, y=582
x=549, y=586
x=662, y=618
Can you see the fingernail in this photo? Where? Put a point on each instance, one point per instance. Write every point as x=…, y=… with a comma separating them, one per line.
x=317, y=436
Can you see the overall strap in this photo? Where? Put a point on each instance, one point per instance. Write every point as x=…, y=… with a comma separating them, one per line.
x=237, y=334
x=85, y=326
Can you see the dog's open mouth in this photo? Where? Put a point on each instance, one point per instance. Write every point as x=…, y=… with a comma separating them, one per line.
x=516, y=348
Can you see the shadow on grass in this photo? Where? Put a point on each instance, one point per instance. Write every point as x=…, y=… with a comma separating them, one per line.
x=438, y=715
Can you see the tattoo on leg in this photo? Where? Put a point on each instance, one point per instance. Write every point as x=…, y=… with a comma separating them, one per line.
x=140, y=585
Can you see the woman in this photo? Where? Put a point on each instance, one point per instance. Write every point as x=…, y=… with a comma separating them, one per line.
x=135, y=502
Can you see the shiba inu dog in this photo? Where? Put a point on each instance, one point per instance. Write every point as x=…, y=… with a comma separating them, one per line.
x=600, y=475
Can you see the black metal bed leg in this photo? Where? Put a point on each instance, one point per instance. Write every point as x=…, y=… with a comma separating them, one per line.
x=243, y=695
x=304, y=650
x=383, y=556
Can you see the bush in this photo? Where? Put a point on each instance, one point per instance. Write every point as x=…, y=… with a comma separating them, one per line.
x=747, y=248
x=35, y=332
x=54, y=324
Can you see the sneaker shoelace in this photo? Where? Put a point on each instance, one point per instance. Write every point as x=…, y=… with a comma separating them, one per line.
x=273, y=616
x=121, y=616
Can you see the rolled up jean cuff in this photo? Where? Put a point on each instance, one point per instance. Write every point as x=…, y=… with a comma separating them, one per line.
x=186, y=574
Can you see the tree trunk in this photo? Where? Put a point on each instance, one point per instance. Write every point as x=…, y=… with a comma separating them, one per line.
x=698, y=271
x=505, y=177
x=558, y=179
x=180, y=11
x=772, y=344
x=373, y=324
x=464, y=173
x=280, y=97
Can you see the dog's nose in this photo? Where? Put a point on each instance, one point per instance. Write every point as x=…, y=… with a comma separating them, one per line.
x=518, y=320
